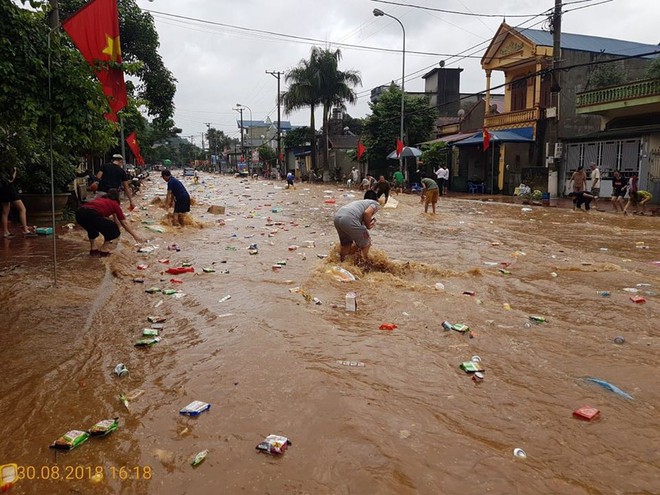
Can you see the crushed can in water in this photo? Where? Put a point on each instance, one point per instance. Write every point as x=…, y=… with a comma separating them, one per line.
x=121, y=370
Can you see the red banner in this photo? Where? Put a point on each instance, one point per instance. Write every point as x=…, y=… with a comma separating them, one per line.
x=132, y=142
x=360, y=150
x=487, y=136
x=399, y=147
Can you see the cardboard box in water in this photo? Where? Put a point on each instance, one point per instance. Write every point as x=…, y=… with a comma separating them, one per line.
x=216, y=210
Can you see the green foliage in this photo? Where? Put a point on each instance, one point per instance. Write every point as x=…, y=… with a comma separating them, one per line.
x=218, y=141
x=267, y=154
x=608, y=74
x=354, y=125
x=382, y=126
x=75, y=110
x=299, y=136
x=653, y=70
x=435, y=155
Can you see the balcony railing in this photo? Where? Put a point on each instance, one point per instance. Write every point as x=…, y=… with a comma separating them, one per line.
x=625, y=92
x=512, y=118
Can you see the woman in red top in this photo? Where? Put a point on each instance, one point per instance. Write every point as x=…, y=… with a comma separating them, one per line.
x=93, y=217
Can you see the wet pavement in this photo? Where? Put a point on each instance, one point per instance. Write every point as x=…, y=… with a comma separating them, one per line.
x=270, y=360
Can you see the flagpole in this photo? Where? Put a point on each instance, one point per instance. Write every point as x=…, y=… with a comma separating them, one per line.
x=121, y=125
x=52, y=173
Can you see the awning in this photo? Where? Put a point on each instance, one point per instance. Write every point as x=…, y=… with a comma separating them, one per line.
x=495, y=137
x=623, y=132
x=451, y=138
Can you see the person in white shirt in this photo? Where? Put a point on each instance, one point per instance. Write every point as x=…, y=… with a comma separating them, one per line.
x=595, y=182
x=443, y=176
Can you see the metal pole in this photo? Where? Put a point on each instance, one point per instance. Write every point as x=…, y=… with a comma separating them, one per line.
x=279, y=126
x=52, y=173
x=123, y=142
x=492, y=169
x=378, y=13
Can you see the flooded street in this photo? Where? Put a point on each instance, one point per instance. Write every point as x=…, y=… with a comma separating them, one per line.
x=268, y=359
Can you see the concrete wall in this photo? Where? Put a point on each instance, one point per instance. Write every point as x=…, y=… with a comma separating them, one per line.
x=577, y=80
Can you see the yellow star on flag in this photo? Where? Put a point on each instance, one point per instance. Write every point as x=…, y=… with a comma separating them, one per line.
x=112, y=48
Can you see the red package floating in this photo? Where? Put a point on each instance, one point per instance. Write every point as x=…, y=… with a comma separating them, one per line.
x=176, y=281
x=179, y=270
x=637, y=299
x=388, y=326
x=587, y=413
x=330, y=201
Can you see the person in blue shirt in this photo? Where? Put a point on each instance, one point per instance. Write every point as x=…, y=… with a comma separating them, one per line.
x=289, y=180
x=177, y=195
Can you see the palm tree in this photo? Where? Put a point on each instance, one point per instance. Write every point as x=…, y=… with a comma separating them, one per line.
x=318, y=81
x=336, y=89
x=303, y=92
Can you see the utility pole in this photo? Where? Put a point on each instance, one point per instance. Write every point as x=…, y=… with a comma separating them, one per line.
x=208, y=136
x=240, y=110
x=553, y=135
x=276, y=75
x=54, y=15
x=192, y=149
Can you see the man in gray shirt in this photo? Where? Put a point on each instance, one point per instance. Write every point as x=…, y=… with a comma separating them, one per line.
x=353, y=222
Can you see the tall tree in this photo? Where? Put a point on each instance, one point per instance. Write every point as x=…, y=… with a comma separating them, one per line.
x=335, y=88
x=318, y=81
x=303, y=92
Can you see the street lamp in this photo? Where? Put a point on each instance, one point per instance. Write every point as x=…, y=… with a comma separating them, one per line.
x=380, y=13
x=251, y=121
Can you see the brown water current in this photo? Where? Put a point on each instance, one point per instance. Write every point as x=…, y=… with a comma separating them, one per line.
x=268, y=359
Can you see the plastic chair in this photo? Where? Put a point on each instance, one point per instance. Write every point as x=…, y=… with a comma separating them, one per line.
x=474, y=188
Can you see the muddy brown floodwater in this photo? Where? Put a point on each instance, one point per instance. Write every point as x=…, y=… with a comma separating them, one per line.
x=409, y=421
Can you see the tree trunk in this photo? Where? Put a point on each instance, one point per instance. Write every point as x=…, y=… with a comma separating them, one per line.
x=326, y=151
x=312, y=124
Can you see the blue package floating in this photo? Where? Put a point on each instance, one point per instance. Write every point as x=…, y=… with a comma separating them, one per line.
x=195, y=408
x=610, y=387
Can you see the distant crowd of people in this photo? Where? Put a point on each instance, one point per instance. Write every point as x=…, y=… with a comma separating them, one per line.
x=620, y=188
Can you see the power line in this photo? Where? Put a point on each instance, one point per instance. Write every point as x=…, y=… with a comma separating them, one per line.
x=294, y=38
x=474, y=14
x=445, y=11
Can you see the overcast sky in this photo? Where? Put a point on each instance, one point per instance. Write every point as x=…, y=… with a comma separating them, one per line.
x=218, y=66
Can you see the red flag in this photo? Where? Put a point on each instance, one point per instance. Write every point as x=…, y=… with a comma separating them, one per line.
x=399, y=147
x=487, y=136
x=360, y=150
x=131, y=139
x=94, y=30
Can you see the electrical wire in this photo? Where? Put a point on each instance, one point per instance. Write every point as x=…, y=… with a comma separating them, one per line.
x=290, y=37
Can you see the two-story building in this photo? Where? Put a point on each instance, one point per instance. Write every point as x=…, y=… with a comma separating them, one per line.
x=629, y=137
x=525, y=56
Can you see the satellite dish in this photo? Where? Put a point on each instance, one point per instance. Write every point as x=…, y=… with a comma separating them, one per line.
x=442, y=63
x=461, y=113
